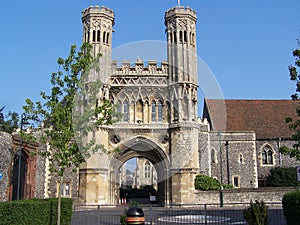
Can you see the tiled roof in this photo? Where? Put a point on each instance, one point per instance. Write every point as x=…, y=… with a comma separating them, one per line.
x=265, y=117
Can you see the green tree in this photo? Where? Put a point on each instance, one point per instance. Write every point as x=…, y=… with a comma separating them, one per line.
x=294, y=124
x=282, y=177
x=10, y=122
x=291, y=207
x=65, y=117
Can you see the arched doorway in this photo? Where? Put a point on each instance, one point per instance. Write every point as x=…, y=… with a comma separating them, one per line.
x=19, y=174
x=141, y=147
x=138, y=180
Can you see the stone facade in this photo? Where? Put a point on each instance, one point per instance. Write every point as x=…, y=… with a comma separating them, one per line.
x=30, y=178
x=5, y=161
x=160, y=121
x=235, y=153
x=159, y=107
x=160, y=124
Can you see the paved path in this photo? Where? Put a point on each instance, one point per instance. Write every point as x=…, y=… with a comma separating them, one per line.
x=171, y=216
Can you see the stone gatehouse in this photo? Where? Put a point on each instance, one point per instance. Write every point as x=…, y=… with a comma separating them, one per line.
x=235, y=141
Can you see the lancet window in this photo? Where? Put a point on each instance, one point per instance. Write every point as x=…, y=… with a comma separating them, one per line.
x=267, y=155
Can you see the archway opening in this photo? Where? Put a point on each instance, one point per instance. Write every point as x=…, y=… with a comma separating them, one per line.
x=20, y=167
x=138, y=181
x=154, y=165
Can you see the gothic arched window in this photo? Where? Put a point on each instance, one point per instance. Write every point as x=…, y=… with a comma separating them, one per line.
x=180, y=37
x=171, y=37
x=125, y=111
x=153, y=111
x=147, y=170
x=107, y=37
x=159, y=111
x=270, y=157
x=267, y=155
x=94, y=35
x=104, y=36
x=213, y=155
x=98, y=35
x=119, y=107
x=185, y=37
x=175, y=37
x=139, y=111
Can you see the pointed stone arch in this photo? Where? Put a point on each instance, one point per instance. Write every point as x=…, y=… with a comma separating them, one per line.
x=146, y=148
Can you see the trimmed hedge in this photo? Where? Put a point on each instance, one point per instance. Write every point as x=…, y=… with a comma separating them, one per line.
x=206, y=183
x=291, y=207
x=35, y=212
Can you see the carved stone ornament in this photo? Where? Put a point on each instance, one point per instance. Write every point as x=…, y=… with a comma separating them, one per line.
x=182, y=23
x=164, y=139
x=115, y=139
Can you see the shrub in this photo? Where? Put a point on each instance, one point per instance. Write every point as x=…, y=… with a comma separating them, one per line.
x=35, y=212
x=291, y=207
x=282, y=177
x=257, y=213
x=206, y=183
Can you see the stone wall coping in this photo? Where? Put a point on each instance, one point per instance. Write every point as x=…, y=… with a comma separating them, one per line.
x=242, y=190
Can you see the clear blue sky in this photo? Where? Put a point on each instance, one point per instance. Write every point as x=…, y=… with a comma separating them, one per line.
x=247, y=44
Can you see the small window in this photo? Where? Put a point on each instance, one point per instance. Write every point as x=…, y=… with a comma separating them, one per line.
x=267, y=156
x=175, y=113
x=236, y=181
x=241, y=158
x=213, y=156
x=65, y=189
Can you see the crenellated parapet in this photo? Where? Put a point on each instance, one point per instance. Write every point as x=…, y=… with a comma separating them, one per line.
x=100, y=11
x=181, y=12
x=140, y=68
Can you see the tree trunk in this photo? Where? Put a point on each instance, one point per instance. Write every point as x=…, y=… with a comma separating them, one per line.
x=59, y=200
